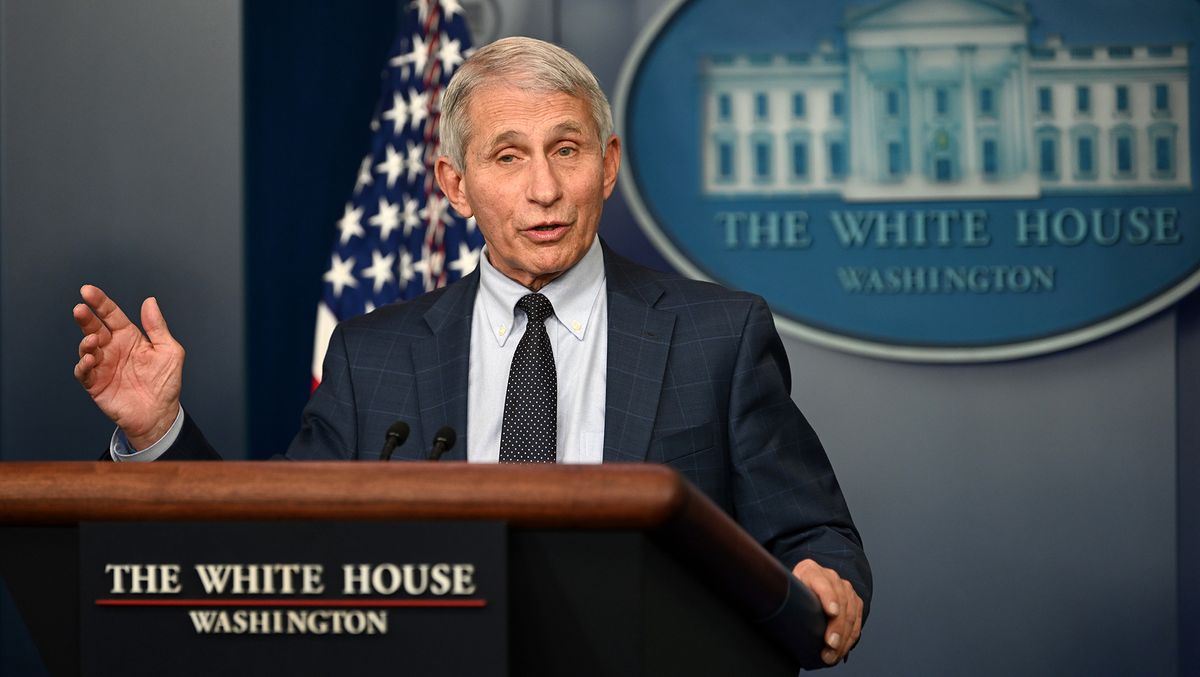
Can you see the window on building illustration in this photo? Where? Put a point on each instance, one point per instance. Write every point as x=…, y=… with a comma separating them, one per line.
x=837, y=104
x=1123, y=151
x=724, y=108
x=987, y=102
x=799, y=160
x=837, y=159
x=1162, y=98
x=798, y=105
x=1085, y=157
x=941, y=101
x=895, y=159
x=1122, y=94
x=943, y=170
x=1048, y=156
x=762, y=110
x=1083, y=99
x=1164, y=164
x=1120, y=52
x=892, y=103
x=726, y=165
x=1162, y=148
x=762, y=159
x=1045, y=101
x=1160, y=51
x=991, y=163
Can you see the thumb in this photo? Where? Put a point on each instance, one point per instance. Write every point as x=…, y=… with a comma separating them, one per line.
x=154, y=323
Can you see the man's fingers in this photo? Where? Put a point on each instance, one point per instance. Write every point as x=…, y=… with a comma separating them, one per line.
x=826, y=593
x=87, y=344
x=83, y=370
x=841, y=604
x=850, y=621
x=88, y=322
x=154, y=323
x=104, y=307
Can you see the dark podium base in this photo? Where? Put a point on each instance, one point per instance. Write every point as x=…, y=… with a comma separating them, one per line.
x=614, y=603
x=609, y=603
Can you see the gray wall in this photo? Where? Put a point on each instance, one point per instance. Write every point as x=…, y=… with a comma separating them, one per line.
x=1020, y=516
x=120, y=165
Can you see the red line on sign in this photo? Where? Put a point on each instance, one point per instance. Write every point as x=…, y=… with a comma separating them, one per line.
x=327, y=603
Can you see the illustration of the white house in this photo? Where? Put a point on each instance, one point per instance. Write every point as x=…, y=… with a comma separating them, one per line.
x=946, y=99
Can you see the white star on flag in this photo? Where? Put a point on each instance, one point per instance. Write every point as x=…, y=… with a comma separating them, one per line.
x=411, y=217
x=450, y=53
x=418, y=107
x=416, y=161
x=430, y=266
x=380, y=269
x=387, y=219
x=365, y=177
x=398, y=114
x=407, y=272
x=340, y=274
x=392, y=166
x=467, y=259
x=350, y=224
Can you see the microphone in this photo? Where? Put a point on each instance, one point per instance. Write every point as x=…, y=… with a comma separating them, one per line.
x=396, y=434
x=443, y=441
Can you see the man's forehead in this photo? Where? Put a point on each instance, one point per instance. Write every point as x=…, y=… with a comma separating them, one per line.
x=506, y=133
x=508, y=112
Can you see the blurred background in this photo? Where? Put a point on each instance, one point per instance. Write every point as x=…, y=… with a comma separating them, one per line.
x=1029, y=517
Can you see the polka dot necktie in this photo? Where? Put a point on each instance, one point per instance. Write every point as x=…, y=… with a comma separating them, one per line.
x=529, y=433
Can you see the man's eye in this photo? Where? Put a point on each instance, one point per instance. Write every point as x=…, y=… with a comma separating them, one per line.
x=507, y=159
x=566, y=151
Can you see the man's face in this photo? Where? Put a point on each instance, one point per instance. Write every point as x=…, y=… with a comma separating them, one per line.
x=534, y=178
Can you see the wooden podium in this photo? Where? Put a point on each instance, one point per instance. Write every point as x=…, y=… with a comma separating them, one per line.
x=638, y=573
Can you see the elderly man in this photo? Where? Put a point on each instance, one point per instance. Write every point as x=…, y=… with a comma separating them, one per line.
x=555, y=350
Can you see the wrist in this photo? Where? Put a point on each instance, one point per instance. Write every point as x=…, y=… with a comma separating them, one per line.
x=144, y=439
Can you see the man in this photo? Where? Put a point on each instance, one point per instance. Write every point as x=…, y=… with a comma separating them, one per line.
x=621, y=363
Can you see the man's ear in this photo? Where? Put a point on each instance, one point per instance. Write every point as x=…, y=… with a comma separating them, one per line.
x=612, y=164
x=451, y=182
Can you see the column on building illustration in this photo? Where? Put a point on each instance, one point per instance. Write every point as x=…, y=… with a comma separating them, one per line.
x=971, y=166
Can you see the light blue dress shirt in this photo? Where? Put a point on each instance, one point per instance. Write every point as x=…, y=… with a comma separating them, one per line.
x=579, y=336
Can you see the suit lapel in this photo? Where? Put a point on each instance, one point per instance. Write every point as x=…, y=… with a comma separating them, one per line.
x=442, y=361
x=639, y=340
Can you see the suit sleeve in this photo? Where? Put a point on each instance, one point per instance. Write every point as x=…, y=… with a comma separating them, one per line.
x=785, y=491
x=190, y=445
x=328, y=426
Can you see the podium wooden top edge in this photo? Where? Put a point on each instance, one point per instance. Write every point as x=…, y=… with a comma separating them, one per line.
x=620, y=496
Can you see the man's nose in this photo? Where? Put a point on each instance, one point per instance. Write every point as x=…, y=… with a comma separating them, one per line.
x=545, y=186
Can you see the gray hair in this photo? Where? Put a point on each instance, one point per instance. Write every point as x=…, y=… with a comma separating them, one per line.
x=525, y=63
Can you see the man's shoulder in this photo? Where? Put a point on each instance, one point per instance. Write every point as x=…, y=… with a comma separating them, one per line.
x=674, y=290
x=415, y=315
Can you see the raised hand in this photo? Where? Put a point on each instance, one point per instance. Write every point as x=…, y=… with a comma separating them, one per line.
x=133, y=377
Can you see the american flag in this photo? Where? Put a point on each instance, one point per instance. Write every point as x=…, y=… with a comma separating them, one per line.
x=398, y=236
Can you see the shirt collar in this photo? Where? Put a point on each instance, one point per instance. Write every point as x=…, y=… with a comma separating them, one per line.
x=573, y=294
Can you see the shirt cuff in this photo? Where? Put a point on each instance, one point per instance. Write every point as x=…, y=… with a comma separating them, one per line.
x=120, y=450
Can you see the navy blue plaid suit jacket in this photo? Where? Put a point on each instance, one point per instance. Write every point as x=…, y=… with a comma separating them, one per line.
x=697, y=379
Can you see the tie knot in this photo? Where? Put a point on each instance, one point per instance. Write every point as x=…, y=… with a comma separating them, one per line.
x=536, y=306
